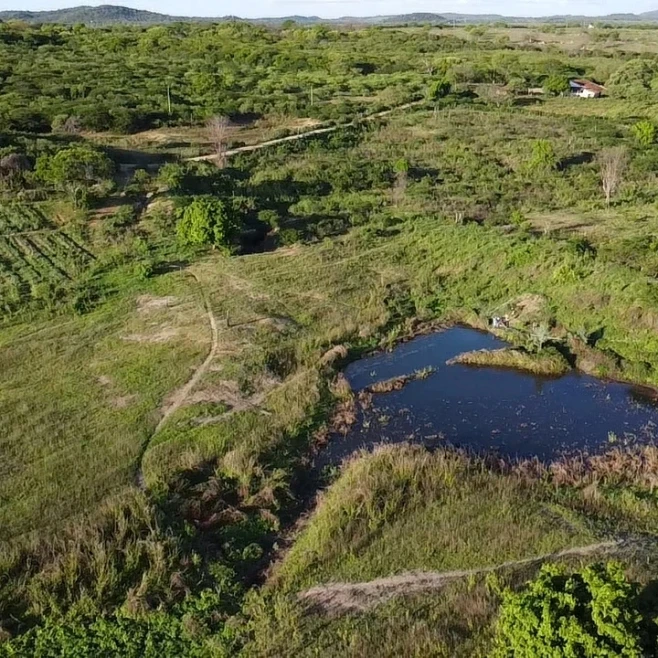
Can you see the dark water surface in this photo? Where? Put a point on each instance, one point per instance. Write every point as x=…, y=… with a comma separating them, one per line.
x=488, y=409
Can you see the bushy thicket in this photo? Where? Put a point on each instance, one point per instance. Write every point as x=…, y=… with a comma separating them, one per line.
x=592, y=613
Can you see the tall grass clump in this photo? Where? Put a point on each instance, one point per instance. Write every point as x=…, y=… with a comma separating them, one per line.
x=548, y=362
x=120, y=556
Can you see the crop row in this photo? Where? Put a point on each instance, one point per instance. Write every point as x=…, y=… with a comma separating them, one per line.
x=21, y=218
x=36, y=265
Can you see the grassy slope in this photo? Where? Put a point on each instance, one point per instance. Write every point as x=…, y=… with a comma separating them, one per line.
x=403, y=509
x=79, y=400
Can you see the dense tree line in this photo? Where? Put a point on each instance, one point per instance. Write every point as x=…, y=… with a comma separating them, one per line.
x=126, y=79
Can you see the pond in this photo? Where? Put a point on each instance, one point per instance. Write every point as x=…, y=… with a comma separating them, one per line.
x=511, y=413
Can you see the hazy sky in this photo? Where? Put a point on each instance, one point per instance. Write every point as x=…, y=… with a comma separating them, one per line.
x=335, y=8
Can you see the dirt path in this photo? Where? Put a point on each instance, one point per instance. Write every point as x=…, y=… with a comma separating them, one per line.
x=335, y=598
x=310, y=133
x=178, y=398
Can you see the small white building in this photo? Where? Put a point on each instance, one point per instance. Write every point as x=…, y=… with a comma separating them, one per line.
x=585, y=88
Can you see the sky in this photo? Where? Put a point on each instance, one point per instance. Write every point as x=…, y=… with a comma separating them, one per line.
x=337, y=8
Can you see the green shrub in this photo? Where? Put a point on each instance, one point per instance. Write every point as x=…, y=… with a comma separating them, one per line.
x=289, y=236
x=589, y=614
x=120, y=634
x=118, y=222
x=438, y=89
x=518, y=218
x=207, y=220
x=140, y=183
x=556, y=85
x=172, y=176
x=645, y=133
x=401, y=166
x=543, y=156
x=270, y=217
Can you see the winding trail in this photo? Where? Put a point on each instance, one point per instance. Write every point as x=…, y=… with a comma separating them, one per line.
x=336, y=598
x=309, y=133
x=178, y=398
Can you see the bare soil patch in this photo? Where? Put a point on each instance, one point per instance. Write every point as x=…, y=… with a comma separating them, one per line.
x=163, y=335
x=529, y=308
x=278, y=323
x=336, y=353
x=122, y=401
x=228, y=393
x=148, y=303
x=116, y=401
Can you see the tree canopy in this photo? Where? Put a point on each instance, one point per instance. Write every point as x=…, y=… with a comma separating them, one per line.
x=207, y=221
x=74, y=169
x=588, y=614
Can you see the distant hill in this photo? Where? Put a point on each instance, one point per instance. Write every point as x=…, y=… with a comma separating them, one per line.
x=113, y=15
x=103, y=15
x=420, y=18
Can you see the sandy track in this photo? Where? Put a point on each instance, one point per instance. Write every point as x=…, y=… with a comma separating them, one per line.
x=309, y=133
x=177, y=399
x=336, y=598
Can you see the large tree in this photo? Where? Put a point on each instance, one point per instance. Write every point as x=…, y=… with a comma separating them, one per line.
x=75, y=170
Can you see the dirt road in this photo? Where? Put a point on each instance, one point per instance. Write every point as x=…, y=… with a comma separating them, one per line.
x=310, y=133
x=178, y=398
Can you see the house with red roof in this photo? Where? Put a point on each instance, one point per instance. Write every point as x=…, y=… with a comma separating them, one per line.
x=585, y=88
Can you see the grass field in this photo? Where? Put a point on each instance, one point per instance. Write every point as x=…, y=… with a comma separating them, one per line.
x=466, y=229
x=408, y=510
x=80, y=397
x=574, y=40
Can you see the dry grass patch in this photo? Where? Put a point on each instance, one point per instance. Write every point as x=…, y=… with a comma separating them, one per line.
x=146, y=303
